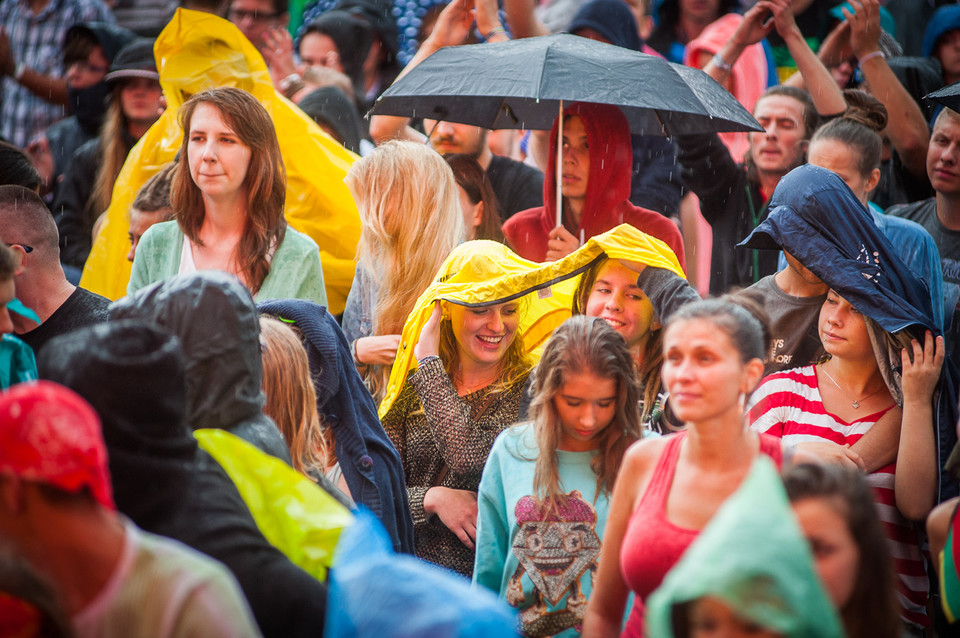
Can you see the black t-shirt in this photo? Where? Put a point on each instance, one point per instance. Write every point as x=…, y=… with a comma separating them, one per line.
x=516, y=185
x=82, y=308
x=794, y=334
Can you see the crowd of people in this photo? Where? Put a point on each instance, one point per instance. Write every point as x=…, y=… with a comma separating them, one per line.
x=616, y=382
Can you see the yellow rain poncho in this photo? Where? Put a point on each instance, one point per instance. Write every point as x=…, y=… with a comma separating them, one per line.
x=480, y=273
x=198, y=51
x=292, y=512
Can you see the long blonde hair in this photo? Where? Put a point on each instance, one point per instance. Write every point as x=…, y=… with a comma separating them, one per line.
x=291, y=400
x=113, y=153
x=410, y=221
x=583, y=344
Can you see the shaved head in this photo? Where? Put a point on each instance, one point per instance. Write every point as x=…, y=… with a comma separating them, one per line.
x=26, y=220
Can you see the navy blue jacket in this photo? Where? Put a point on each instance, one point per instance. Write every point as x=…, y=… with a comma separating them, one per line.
x=368, y=459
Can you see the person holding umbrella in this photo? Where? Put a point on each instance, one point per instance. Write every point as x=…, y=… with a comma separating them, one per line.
x=595, y=189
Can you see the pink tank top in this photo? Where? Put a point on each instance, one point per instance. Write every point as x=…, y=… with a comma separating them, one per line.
x=652, y=544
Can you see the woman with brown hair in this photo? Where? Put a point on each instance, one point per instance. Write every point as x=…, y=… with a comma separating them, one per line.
x=834, y=508
x=609, y=290
x=670, y=487
x=228, y=201
x=481, y=210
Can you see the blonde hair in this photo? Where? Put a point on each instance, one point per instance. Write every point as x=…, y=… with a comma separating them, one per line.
x=113, y=150
x=583, y=344
x=410, y=221
x=291, y=400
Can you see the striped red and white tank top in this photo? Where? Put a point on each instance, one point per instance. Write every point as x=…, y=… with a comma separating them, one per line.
x=788, y=405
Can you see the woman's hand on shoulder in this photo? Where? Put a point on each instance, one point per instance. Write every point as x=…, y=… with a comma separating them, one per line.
x=457, y=510
x=920, y=375
x=827, y=452
x=429, y=342
x=378, y=350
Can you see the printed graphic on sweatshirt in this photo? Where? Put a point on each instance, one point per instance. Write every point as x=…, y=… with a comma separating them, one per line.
x=555, y=548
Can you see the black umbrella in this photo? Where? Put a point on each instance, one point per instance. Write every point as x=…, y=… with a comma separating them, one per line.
x=521, y=84
x=949, y=96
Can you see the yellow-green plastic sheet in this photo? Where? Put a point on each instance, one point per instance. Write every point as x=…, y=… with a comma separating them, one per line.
x=485, y=272
x=294, y=514
x=198, y=51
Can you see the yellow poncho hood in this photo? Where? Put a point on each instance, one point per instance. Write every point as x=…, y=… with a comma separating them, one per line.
x=198, y=51
x=480, y=273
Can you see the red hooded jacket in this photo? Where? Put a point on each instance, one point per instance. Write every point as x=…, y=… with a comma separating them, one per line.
x=608, y=189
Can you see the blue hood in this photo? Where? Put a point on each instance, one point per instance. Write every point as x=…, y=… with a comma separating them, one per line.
x=612, y=19
x=943, y=19
x=815, y=217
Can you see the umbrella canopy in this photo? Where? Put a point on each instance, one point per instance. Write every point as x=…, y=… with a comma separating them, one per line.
x=520, y=84
x=949, y=96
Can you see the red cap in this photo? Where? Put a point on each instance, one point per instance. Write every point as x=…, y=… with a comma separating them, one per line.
x=49, y=434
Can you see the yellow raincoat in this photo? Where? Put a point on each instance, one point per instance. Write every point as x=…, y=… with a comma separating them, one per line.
x=480, y=273
x=198, y=51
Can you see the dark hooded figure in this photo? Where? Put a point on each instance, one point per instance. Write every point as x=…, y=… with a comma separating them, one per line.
x=216, y=321
x=655, y=181
x=359, y=29
x=335, y=114
x=353, y=37
x=368, y=459
x=87, y=104
x=133, y=376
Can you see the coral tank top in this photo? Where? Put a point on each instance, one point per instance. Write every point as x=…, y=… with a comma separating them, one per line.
x=652, y=544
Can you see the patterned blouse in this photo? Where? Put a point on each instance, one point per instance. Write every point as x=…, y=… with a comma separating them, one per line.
x=444, y=439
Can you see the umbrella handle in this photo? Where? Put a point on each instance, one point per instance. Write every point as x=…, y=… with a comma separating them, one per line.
x=559, y=199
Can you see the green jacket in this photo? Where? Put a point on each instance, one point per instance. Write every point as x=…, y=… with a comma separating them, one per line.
x=295, y=271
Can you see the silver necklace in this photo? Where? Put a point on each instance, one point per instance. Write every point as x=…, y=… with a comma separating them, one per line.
x=856, y=402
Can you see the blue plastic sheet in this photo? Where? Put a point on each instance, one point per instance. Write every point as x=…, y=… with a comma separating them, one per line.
x=375, y=593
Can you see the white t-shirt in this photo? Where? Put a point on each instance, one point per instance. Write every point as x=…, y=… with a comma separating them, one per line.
x=161, y=588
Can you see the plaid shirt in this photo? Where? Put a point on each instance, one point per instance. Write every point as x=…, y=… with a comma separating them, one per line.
x=37, y=42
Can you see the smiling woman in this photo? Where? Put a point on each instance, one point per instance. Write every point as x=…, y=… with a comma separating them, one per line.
x=228, y=202
x=609, y=290
x=467, y=388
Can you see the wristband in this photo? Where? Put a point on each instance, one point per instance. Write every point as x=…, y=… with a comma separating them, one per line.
x=429, y=357
x=875, y=54
x=722, y=64
x=494, y=31
x=286, y=82
x=353, y=353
